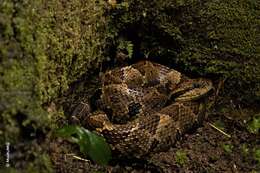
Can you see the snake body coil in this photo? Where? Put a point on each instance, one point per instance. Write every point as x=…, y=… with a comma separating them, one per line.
x=150, y=106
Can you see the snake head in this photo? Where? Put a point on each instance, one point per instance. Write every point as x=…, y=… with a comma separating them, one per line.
x=192, y=89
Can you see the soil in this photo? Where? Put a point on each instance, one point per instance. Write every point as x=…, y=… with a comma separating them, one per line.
x=204, y=149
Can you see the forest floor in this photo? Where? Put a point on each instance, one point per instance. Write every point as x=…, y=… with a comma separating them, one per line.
x=223, y=143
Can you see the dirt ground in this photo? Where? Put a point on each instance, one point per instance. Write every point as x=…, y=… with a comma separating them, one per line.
x=204, y=149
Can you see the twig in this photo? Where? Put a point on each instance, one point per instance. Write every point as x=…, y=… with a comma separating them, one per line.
x=221, y=131
x=77, y=157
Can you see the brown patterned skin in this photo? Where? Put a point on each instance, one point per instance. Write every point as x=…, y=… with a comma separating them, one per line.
x=151, y=105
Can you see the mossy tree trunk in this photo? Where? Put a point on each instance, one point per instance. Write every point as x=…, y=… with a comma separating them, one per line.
x=44, y=46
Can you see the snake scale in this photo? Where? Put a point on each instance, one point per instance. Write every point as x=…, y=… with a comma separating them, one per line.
x=150, y=107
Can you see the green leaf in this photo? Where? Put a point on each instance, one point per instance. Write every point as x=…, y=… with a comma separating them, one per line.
x=98, y=149
x=66, y=131
x=89, y=143
x=72, y=133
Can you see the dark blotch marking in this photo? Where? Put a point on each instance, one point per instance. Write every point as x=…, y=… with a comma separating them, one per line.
x=154, y=145
x=134, y=109
x=196, y=85
x=152, y=83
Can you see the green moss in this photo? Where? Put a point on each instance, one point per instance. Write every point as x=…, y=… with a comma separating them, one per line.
x=44, y=47
x=181, y=158
x=217, y=38
x=41, y=164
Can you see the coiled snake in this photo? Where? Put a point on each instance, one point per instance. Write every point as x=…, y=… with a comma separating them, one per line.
x=150, y=106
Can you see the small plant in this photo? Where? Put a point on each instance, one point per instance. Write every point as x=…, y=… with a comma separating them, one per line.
x=257, y=155
x=181, y=157
x=127, y=46
x=89, y=143
x=254, y=125
x=227, y=148
x=245, y=150
x=219, y=124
